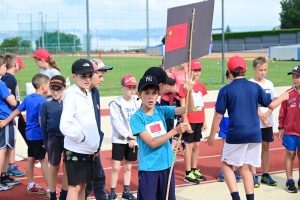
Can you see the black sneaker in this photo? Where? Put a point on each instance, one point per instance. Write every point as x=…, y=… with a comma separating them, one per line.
x=178, y=149
x=9, y=181
x=290, y=187
x=190, y=178
x=4, y=186
x=111, y=196
x=128, y=195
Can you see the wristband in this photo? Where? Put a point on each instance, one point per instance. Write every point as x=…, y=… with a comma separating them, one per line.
x=280, y=128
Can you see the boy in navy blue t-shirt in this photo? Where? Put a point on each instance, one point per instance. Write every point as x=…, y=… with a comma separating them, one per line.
x=36, y=149
x=243, y=143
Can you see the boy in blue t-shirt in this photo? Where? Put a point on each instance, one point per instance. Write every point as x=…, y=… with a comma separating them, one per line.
x=36, y=149
x=155, y=152
x=243, y=143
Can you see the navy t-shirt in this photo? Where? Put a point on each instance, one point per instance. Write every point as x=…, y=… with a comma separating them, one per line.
x=12, y=84
x=241, y=98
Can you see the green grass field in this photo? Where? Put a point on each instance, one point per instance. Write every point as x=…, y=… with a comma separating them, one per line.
x=211, y=74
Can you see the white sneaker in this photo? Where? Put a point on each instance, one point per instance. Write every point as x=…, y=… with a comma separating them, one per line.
x=18, y=158
x=37, y=165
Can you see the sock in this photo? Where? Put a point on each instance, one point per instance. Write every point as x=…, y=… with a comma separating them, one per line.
x=53, y=195
x=30, y=185
x=265, y=174
x=187, y=172
x=63, y=193
x=250, y=196
x=194, y=169
x=112, y=190
x=11, y=165
x=290, y=179
x=254, y=175
x=235, y=196
x=126, y=188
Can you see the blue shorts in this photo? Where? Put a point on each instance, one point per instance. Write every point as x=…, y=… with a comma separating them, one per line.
x=222, y=135
x=291, y=142
x=153, y=185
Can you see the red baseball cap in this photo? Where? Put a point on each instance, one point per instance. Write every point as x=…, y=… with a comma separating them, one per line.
x=128, y=80
x=235, y=62
x=20, y=62
x=195, y=64
x=42, y=54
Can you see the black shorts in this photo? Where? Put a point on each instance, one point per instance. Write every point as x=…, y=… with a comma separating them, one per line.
x=78, y=171
x=267, y=134
x=7, y=136
x=196, y=135
x=121, y=151
x=55, y=148
x=36, y=149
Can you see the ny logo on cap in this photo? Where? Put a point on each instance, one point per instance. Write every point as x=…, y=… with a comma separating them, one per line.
x=149, y=79
x=295, y=68
x=86, y=65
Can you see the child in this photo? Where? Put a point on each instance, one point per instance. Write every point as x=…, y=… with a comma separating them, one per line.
x=78, y=124
x=223, y=134
x=53, y=138
x=7, y=101
x=13, y=67
x=36, y=149
x=197, y=123
x=260, y=68
x=123, y=143
x=155, y=152
x=289, y=129
x=98, y=184
x=243, y=142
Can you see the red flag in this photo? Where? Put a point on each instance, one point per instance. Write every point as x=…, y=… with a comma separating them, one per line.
x=176, y=37
x=155, y=128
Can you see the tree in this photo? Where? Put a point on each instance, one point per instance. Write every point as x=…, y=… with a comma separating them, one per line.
x=228, y=30
x=14, y=42
x=289, y=15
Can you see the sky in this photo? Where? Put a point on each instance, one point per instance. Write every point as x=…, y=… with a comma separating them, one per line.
x=240, y=15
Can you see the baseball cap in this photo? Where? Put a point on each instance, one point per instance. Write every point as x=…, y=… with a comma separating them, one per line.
x=99, y=65
x=160, y=75
x=20, y=61
x=148, y=80
x=128, y=80
x=58, y=80
x=195, y=64
x=295, y=71
x=235, y=62
x=42, y=54
x=82, y=66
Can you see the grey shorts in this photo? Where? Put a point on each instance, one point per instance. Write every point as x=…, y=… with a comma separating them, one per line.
x=7, y=136
x=55, y=149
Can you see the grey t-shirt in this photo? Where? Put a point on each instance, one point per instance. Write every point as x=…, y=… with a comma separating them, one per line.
x=50, y=72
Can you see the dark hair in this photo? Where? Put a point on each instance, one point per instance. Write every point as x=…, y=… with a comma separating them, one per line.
x=147, y=87
x=39, y=79
x=237, y=72
x=2, y=60
x=259, y=61
x=10, y=60
x=227, y=74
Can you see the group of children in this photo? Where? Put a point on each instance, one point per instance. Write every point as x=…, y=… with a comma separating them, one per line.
x=68, y=126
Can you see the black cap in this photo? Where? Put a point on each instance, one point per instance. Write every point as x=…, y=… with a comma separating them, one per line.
x=296, y=71
x=82, y=66
x=58, y=80
x=147, y=80
x=160, y=74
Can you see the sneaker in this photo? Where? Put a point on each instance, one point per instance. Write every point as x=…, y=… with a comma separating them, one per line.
x=18, y=158
x=183, y=145
x=178, y=149
x=268, y=180
x=36, y=189
x=111, y=196
x=221, y=177
x=290, y=187
x=256, y=183
x=128, y=195
x=191, y=178
x=9, y=181
x=14, y=171
x=198, y=175
x=237, y=177
x=37, y=165
x=48, y=192
x=4, y=187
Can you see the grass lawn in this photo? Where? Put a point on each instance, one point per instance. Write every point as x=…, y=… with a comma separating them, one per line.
x=211, y=75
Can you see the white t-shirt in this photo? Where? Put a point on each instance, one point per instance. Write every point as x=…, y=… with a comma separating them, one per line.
x=270, y=90
x=50, y=72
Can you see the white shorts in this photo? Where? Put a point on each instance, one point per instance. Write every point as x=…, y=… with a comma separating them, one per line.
x=240, y=154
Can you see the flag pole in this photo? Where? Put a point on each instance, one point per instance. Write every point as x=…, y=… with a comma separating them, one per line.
x=187, y=97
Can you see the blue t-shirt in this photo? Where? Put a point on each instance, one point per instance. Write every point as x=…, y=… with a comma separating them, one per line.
x=33, y=104
x=240, y=98
x=161, y=157
x=5, y=108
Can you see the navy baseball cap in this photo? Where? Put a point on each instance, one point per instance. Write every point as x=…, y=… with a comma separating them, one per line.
x=296, y=71
x=148, y=80
x=160, y=75
x=82, y=66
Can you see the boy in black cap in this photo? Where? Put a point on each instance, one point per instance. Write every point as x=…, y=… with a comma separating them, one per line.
x=78, y=124
x=53, y=138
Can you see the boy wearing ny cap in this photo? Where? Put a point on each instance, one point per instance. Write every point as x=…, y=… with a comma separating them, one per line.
x=155, y=153
x=289, y=128
x=52, y=136
x=97, y=185
x=78, y=125
x=123, y=143
x=243, y=143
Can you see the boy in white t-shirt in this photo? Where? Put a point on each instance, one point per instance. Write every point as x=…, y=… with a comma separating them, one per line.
x=260, y=68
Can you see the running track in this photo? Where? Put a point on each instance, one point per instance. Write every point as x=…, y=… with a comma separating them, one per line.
x=208, y=162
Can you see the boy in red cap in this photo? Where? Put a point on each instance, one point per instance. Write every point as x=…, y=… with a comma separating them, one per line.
x=123, y=142
x=243, y=143
x=197, y=123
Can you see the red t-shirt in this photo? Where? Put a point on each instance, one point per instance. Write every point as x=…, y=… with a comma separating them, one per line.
x=179, y=77
x=199, y=90
x=168, y=96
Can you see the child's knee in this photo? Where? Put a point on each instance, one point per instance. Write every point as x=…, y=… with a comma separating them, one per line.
x=290, y=154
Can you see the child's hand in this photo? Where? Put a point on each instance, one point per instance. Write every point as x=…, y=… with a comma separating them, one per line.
x=204, y=127
x=182, y=127
x=3, y=123
x=189, y=129
x=189, y=84
x=286, y=95
x=131, y=137
x=266, y=122
x=210, y=140
x=280, y=134
x=131, y=143
x=264, y=116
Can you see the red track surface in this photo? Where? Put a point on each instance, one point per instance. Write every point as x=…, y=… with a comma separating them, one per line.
x=208, y=162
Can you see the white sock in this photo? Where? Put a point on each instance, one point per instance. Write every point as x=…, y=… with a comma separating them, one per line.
x=30, y=185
